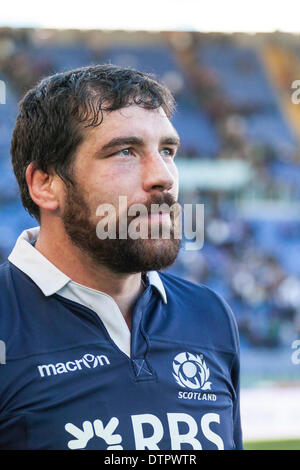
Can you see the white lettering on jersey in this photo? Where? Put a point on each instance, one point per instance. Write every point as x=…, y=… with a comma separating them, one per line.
x=89, y=361
x=189, y=438
x=208, y=433
x=142, y=442
x=145, y=442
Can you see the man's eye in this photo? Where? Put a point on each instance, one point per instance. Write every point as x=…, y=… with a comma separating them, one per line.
x=168, y=152
x=125, y=152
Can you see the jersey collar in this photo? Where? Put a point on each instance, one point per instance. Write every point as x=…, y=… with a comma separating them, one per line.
x=45, y=274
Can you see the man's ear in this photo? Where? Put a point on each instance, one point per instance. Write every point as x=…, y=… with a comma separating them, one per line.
x=44, y=188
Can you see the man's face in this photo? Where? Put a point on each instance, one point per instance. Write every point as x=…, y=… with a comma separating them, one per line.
x=130, y=154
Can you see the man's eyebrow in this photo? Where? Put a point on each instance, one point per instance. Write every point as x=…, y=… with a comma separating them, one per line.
x=132, y=140
x=172, y=140
x=121, y=141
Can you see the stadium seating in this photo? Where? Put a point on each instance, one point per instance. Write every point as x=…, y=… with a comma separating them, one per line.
x=240, y=74
x=270, y=128
x=62, y=57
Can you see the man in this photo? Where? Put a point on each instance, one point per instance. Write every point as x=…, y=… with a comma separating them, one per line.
x=104, y=351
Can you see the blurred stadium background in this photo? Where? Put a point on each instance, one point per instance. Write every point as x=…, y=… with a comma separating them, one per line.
x=240, y=156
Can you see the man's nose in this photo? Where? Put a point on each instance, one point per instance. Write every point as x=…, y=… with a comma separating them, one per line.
x=157, y=174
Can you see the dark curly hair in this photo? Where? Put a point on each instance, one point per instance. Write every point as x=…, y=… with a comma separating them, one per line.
x=52, y=116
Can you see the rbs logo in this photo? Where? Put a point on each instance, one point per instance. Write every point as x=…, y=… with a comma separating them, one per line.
x=150, y=441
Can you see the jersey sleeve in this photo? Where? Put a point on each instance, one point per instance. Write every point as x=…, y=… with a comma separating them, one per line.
x=234, y=373
x=237, y=430
x=235, y=378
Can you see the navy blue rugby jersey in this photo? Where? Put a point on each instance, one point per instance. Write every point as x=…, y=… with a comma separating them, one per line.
x=66, y=385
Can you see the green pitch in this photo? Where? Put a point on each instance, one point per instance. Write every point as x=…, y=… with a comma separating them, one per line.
x=289, y=444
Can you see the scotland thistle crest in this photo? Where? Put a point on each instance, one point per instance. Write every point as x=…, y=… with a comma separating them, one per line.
x=191, y=371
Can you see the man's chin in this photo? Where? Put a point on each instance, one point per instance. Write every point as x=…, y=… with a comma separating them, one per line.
x=124, y=256
x=152, y=255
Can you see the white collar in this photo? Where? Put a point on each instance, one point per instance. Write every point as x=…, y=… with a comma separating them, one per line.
x=45, y=274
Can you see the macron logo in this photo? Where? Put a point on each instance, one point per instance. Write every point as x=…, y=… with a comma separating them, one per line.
x=88, y=361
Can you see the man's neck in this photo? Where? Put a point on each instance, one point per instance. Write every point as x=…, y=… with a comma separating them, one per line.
x=78, y=266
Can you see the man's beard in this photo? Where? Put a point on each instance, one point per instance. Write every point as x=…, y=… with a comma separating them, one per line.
x=118, y=255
